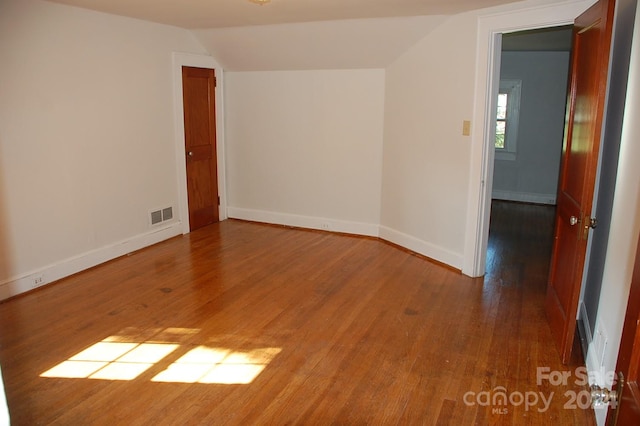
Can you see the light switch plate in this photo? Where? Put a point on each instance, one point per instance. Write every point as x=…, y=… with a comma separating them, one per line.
x=466, y=128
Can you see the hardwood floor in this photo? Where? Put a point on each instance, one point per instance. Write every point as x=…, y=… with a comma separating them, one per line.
x=326, y=329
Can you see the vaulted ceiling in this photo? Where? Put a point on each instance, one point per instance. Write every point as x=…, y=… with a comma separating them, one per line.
x=198, y=14
x=298, y=34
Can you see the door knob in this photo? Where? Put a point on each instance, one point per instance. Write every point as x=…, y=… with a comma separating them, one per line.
x=602, y=395
x=573, y=221
x=190, y=153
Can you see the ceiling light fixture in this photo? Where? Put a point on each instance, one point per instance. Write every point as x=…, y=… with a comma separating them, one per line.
x=260, y=2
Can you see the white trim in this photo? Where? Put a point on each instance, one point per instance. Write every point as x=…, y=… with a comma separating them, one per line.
x=590, y=360
x=490, y=30
x=357, y=228
x=513, y=89
x=525, y=197
x=422, y=247
x=191, y=60
x=309, y=222
x=505, y=156
x=48, y=274
x=4, y=409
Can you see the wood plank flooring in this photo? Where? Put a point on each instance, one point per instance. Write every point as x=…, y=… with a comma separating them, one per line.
x=342, y=330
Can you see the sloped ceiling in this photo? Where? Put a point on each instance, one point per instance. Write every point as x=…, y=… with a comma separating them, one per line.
x=361, y=43
x=297, y=34
x=199, y=14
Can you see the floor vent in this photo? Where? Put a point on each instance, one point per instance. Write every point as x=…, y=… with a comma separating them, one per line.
x=167, y=213
x=159, y=216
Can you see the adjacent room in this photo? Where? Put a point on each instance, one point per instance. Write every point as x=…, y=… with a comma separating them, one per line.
x=280, y=212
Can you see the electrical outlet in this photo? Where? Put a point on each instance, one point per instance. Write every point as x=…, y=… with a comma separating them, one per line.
x=37, y=281
x=325, y=226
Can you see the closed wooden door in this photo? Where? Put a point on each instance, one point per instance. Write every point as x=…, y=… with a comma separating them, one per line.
x=585, y=109
x=198, y=89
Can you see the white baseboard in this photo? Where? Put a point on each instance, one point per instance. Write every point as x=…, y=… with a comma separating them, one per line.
x=404, y=240
x=594, y=365
x=583, y=321
x=37, y=278
x=309, y=222
x=48, y=274
x=591, y=362
x=424, y=248
x=524, y=197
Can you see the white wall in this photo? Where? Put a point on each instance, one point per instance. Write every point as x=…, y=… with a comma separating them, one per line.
x=432, y=174
x=625, y=227
x=87, y=97
x=533, y=175
x=429, y=92
x=304, y=147
x=86, y=137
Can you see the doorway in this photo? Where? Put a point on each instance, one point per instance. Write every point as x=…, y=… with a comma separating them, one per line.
x=200, y=61
x=199, y=103
x=529, y=129
x=534, y=73
x=494, y=27
x=530, y=116
x=490, y=30
x=605, y=186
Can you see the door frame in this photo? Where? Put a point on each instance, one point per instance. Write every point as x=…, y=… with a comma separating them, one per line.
x=489, y=47
x=202, y=61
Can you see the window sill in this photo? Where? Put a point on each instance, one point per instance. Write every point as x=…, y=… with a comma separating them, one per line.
x=509, y=156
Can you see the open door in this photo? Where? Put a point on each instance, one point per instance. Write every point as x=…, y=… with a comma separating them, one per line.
x=583, y=127
x=198, y=91
x=627, y=409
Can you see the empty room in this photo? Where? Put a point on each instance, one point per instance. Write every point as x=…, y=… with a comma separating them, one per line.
x=284, y=212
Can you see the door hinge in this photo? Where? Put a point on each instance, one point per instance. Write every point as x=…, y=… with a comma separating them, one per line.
x=218, y=200
x=215, y=81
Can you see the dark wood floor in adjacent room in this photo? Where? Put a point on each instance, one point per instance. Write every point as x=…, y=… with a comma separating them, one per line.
x=240, y=324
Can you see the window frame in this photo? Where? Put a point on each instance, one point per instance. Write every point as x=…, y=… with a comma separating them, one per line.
x=513, y=90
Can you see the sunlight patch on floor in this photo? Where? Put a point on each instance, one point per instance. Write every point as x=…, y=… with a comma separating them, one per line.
x=121, y=357
x=218, y=365
x=112, y=361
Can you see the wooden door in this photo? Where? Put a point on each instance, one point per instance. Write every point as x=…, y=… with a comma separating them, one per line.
x=629, y=356
x=585, y=108
x=198, y=89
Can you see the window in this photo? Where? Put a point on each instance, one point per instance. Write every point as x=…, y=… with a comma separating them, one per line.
x=501, y=121
x=508, y=111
